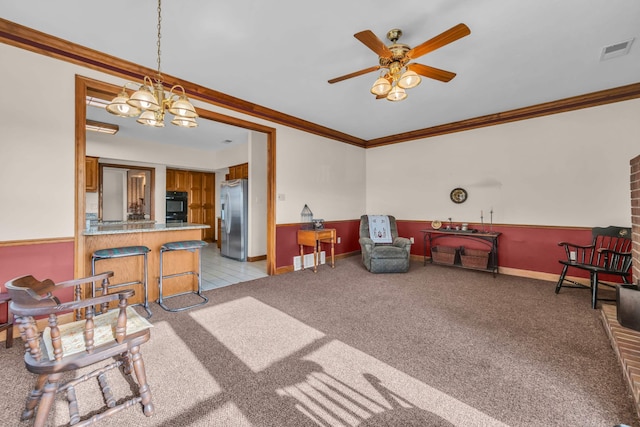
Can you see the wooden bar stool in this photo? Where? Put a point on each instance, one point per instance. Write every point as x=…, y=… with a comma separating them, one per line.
x=184, y=245
x=122, y=252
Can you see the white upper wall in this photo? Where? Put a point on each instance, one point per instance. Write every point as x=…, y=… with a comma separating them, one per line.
x=38, y=146
x=257, y=245
x=569, y=169
x=37, y=166
x=326, y=175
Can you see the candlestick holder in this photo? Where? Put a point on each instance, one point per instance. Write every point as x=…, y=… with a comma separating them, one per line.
x=491, y=225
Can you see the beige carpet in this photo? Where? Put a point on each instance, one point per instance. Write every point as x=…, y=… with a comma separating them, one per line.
x=434, y=347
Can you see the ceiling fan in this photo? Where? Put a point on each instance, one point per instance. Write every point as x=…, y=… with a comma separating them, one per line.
x=400, y=73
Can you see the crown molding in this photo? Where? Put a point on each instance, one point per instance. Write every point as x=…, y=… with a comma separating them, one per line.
x=622, y=93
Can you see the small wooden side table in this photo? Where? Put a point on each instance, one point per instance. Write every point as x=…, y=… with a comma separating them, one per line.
x=315, y=238
x=8, y=326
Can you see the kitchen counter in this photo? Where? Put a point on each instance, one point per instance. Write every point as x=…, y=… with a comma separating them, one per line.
x=139, y=227
x=153, y=236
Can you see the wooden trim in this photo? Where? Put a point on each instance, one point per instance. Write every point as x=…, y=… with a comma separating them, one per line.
x=283, y=270
x=296, y=224
x=271, y=202
x=152, y=180
x=593, y=99
x=256, y=258
x=80, y=190
x=46, y=241
x=427, y=223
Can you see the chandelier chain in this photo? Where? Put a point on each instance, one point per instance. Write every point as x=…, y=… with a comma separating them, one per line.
x=159, y=36
x=150, y=101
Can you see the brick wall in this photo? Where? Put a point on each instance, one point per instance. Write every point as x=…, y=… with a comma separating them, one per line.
x=635, y=216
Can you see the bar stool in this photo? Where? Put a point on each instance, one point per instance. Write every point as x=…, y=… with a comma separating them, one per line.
x=184, y=245
x=122, y=252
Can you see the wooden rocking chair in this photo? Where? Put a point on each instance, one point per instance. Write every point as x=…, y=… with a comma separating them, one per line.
x=116, y=333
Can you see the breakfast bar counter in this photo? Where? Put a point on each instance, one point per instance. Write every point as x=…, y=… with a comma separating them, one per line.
x=153, y=236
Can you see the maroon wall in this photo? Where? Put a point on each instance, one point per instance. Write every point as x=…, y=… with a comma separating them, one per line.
x=43, y=261
x=287, y=246
x=532, y=248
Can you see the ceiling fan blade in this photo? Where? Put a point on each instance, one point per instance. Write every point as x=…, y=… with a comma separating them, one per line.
x=431, y=72
x=355, y=74
x=443, y=39
x=374, y=43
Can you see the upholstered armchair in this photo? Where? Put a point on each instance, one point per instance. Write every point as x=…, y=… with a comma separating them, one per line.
x=392, y=257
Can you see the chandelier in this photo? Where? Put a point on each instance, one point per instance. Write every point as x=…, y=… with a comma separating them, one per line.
x=150, y=101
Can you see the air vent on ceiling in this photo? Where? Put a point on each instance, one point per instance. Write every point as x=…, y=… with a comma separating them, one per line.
x=615, y=50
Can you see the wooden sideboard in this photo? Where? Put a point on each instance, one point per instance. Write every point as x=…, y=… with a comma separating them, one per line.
x=488, y=240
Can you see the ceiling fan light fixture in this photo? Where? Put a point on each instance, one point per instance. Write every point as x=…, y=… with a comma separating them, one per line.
x=409, y=79
x=396, y=94
x=381, y=87
x=396, y=57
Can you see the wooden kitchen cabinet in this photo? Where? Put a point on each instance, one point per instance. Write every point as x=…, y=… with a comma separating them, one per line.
x=171, y=180
x=177, y=180
x=91, y=174
x=195, y=198
x=200, y=187
x=209, y=205
x=238, y=172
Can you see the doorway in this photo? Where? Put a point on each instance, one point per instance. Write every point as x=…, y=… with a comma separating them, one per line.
x=86, y=86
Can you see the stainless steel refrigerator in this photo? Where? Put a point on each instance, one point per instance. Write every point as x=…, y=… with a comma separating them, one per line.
x=234, y=215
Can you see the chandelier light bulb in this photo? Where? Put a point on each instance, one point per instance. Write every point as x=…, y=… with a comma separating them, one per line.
x=184, y=122
x=144, y=100
x=120, y=107
x=183, y=108
x=149, y=118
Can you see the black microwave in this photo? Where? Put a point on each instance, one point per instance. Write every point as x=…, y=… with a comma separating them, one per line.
x=177, y=206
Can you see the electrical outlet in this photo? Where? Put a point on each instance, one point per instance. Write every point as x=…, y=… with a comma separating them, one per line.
x=412, y=240
x=339, y=240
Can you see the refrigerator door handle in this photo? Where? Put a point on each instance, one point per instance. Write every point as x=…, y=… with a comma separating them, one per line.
x=227, y=222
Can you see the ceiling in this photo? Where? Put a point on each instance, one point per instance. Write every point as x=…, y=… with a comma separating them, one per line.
x=280, y=54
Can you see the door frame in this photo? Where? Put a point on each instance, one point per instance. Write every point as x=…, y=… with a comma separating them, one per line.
x=85, y=86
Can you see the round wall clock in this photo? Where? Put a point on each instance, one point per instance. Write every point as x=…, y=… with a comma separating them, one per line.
x=458, y=195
